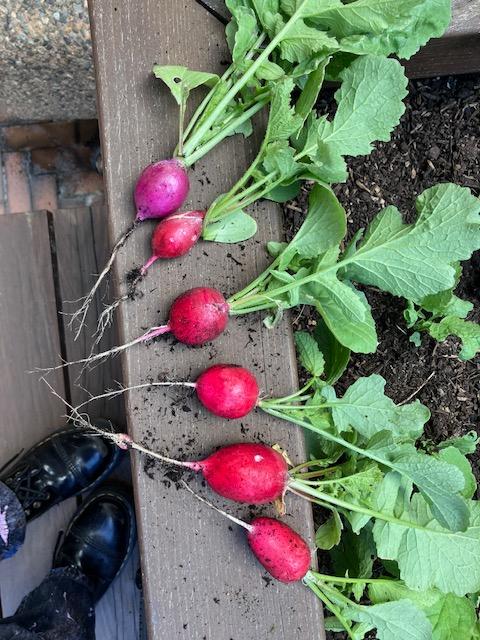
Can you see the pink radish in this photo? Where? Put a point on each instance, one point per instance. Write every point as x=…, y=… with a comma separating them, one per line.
x=175, y=236
x=196, y=317
x=160, y=190
x=280, y=549
x=227, y=390
x=244, y=472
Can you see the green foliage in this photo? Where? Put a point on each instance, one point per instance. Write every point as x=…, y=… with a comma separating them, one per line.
x=235, y=227
x=417, y=262
x=427, y=554
x=450, y=616
x=298, y=145
x=181, y=80
x=309, y=355
x=443, y=315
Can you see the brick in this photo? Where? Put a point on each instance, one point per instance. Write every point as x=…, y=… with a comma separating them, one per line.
x=61, y=159
x=81, y=184
x=87, y=131
x=35, y=136
x=17, y=182
x=44, y=193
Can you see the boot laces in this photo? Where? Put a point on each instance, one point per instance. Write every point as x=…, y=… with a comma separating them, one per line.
x=21, y=484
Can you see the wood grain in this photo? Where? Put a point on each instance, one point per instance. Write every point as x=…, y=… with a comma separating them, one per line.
x=81, y=248
x=81, y=251
x=200, y=579
x=29, y=339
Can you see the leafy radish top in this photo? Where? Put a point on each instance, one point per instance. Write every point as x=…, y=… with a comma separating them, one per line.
x=412, y=261
x=281, y=44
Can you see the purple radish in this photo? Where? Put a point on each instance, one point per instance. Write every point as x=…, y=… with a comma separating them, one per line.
x=161, y=189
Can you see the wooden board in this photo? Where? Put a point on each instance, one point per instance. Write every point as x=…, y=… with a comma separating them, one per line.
x=81, y=248
x=29, y=339
x=46, y=259
x=200, y=579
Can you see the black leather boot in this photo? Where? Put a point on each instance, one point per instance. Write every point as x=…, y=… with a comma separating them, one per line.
x=100, y=537
x=65, y=464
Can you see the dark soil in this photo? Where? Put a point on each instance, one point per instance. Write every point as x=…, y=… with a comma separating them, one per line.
x=438, y=140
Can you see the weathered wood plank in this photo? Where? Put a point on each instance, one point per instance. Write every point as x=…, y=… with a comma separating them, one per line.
x=81, y=249
x=200, y=578
x=29, y=338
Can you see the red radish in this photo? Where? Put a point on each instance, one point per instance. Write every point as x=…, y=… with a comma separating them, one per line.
x=227, y=390
x=161, y=189
x=198, y=316
x=280, y=549
x=246, y=472
x=175, y=236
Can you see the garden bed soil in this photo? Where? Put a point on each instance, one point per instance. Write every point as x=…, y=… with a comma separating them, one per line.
x=438, y=140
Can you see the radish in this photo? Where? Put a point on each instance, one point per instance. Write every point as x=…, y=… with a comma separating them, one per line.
x=160, y=190
x=173, y=237
x=196, y=317
x=279, y=549
x=244, y=472
x=227, y=390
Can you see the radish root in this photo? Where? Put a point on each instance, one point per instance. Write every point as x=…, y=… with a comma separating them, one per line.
x=112, y=393
x=243, y=524
x=149, y=335
x=79, y=317
x=106, y=317
x=122, y=440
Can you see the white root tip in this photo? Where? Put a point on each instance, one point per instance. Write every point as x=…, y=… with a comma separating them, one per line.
x=243, y=524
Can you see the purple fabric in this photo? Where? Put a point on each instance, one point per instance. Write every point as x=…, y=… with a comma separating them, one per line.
x=12, y=523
